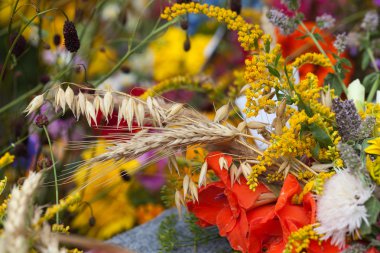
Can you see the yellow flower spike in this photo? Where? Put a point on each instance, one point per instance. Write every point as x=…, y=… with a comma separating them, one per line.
x=374, y=148
x=299, y=240
x=3, y=184
x=63, y=205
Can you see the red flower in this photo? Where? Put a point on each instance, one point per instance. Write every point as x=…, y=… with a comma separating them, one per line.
x=249, y=227
x=226, y=206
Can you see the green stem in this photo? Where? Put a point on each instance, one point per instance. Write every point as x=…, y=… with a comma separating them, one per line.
x=11, y=19
x=374, y=88
x=55, y=173
x=20, y=98
x=344, y=88
x=130, y=52
x=13, y=145
x=15, y=41
x=372, y=58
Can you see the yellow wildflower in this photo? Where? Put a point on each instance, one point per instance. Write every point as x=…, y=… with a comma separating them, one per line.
x=6, y=159
x=374, y=148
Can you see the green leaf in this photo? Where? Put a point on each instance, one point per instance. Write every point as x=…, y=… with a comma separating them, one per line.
x=315, y=150
x=320, y=135
x=365, y=60
x=333, y=81
x=373, y=209
x=274, y=71
x=277, y=60
x=318, y=37
x=346, y=62
x=370, y=79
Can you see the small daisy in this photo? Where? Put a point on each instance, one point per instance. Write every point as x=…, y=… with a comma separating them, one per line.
x=341, y=209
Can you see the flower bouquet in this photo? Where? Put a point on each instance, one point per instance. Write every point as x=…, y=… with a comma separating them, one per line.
x=290, y=159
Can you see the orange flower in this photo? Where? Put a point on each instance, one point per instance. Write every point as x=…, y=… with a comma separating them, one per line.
x=249, y=228
x=294, y=45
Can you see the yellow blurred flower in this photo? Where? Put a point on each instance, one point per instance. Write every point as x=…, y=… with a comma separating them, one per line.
x=373, y=149
x=373, y=168
x=170, y=59
x=107, y=194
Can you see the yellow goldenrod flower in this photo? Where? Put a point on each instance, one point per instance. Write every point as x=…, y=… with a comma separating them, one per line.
x=63, y=205
x=374, y=148
x=3, y=184
x=299, y=240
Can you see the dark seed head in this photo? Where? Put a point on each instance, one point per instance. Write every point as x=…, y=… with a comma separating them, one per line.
x=57, y=40
x=20, y=45
x=235, y=6
x=41, y=121
x=125, y=176
x=186, y=44
x=184, y=24
x=44, y=79
x=70, y=36
x=125, y=69
x=183, y=1
x=92, y=221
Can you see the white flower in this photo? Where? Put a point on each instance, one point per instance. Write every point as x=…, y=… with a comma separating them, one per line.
x=356, y=92
x=341, y=210
x=110, y=12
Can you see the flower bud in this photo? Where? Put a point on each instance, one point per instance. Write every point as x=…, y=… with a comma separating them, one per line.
x=41, y=121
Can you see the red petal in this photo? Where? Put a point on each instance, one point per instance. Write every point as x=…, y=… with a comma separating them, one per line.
x=225, y=221
x=211, y=201
x=289, y=189
x=325, y=247
x=238, y=236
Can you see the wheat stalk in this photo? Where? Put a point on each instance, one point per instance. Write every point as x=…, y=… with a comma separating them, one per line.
x=14, y=237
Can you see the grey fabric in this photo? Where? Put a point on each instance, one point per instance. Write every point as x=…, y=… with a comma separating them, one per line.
x=143, y=239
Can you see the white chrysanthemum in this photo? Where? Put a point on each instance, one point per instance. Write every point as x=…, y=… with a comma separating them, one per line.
x=341, y=210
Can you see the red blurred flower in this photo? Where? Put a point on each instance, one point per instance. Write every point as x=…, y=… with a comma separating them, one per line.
x=294, y=45
x=249, y=227
x=372, y=250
